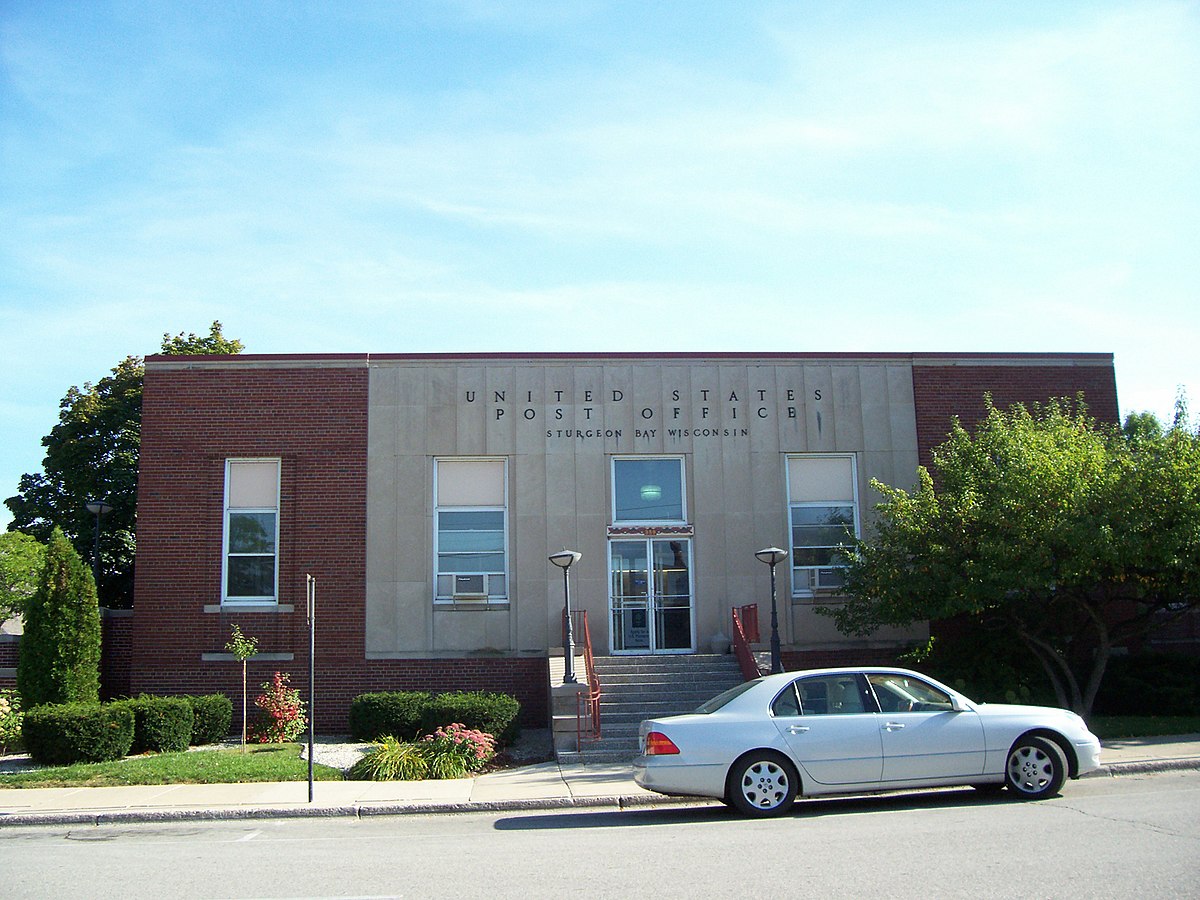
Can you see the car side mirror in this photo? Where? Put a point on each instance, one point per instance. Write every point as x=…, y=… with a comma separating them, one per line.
x=956, y=704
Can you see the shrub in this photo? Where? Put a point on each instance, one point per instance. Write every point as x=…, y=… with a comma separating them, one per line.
x=1150, y=684
x=212, y=718
x=456, y=751
x=495, y=714
x=451, y=752
x=283, y=712
x=391, y=760
x=10, y=720
x=78, y=732
x=60, y=649
x=160, y=724
x=398, y=714
x=985, y=664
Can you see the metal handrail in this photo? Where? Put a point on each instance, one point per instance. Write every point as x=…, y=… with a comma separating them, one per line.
x=592, y=703
x=587, y=710
x=745, y=630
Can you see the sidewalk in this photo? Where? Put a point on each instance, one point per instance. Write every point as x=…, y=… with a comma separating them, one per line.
x=540, y=786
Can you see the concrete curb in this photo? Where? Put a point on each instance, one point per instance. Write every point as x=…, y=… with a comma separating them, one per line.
x=125, y=816
x=1146, y=766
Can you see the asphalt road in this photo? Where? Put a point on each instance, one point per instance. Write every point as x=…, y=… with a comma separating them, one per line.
x=1104, y=837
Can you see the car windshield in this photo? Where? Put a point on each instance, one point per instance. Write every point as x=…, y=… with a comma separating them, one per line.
x=711, y=706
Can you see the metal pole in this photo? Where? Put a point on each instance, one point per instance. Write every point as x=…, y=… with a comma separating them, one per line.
x=569, y=675
x=311, y=600
x=96, y=552
x=776, y=655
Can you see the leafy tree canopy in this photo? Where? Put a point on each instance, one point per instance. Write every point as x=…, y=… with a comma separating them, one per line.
x=1073, y=536
x=92, y=454
x=214, y=343
x=21, y=559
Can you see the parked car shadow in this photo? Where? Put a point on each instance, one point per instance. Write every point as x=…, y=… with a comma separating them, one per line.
x=712, y=811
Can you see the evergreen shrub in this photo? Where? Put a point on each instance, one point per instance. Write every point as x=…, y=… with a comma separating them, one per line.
x=62, y=734
x=408, y=714
x=212, y=718
x=492, y=713
x=397, y=714
x=160, y=724
x=60, y=649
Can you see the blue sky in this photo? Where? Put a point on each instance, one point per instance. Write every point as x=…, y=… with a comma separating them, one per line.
x=475, y=176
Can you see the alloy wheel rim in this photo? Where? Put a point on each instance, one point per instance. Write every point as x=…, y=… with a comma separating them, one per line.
x=1030, y=769
x=764, y=785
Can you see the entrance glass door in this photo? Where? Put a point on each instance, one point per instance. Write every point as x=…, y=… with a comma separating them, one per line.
x=651, y=595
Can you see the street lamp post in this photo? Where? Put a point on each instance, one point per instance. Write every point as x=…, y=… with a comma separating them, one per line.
x=97, y=508
x=773, y=556
x=564, y=559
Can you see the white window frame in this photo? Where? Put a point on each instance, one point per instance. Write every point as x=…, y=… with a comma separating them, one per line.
x=272, y=600
x=683, y=499
x=486, y=598
x=805, y=590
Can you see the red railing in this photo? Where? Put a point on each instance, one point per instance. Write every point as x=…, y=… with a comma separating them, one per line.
x=587, y=712
x=745, y=632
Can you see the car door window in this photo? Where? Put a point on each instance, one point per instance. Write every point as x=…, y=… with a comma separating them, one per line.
x=787, y=703
x=821, y=695
x=902, y=693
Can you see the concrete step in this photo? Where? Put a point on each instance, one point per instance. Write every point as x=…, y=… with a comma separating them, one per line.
x=634, y=688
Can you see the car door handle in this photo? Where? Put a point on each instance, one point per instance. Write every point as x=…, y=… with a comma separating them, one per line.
x=797, y=729
x=893, y=726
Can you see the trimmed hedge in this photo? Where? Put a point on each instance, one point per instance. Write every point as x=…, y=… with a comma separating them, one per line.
x=407, y=714
x=160, y=724
x=212, y=718
x=399, y=714
x=67, y=733
x=481, y=710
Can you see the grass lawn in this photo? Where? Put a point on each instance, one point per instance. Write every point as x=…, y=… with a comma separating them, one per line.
x=260, y=762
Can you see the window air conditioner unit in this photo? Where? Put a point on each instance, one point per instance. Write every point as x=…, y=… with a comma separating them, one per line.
x=469, y=589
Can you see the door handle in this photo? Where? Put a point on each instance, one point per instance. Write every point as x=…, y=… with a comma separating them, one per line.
x=893, y=726
x=797, y=729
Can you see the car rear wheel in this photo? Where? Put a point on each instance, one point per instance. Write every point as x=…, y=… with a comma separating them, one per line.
x=1036, y=768
x=762, y=783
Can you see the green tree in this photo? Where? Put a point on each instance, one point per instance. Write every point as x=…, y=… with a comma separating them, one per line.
x=21, y=559
x=1073, y=536
x=60, y=649
x=242, y=648
x=92, y=454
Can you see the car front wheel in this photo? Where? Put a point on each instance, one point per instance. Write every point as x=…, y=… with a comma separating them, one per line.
x=1036, y=768
x=762, y=783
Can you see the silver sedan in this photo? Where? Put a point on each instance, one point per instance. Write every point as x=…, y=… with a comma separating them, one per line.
x=834, y=731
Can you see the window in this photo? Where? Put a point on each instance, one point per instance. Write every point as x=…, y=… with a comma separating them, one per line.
x=471, y=530
x=648, y=489
x=900, y=693
x=821, y=695
x=251, y=570
x=823, y=516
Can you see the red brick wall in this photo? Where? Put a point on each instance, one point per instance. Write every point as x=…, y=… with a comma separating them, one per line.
x=795, y=660
x=315, y=420
x=944, y=391
x=116, y=652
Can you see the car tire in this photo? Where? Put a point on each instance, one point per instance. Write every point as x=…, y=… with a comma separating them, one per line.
x=1036, y=769
x=762, y=783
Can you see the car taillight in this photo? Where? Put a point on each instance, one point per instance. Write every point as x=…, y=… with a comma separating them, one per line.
x=658, y=744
